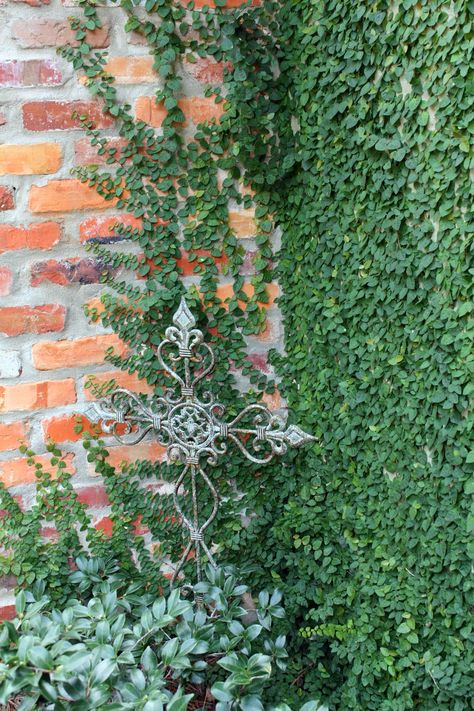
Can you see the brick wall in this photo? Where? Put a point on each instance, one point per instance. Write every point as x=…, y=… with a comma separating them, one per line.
x=47, y=345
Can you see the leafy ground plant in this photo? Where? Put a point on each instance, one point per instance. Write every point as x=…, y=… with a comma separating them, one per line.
x=118, y=646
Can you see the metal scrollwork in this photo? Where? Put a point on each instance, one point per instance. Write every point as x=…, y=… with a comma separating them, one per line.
x=191, y=427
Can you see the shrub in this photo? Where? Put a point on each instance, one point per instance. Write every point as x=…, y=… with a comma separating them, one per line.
x=118, y=646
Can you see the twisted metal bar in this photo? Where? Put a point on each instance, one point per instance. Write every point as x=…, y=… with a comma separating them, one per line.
x=190, y=428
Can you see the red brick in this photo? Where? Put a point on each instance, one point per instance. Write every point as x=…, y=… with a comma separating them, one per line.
x=47, y=318
x=62, y=428
x=30, y=72
x=14, y=472
x=93, y=496
x=101, y=229
x=36, y=158
x=36, y=396
x=106, y=525
x=188, y=267
x=65, y=196
x=46, y=32
x=8, y=612
x=48, y=355
x=122, y=380
x=39, y=235
x=33, y=3
x=206, y=70
x=6, y=280
x=58, y=115
x=12, y=434
x=86, y=154
x=69, y=271
x=7, y=200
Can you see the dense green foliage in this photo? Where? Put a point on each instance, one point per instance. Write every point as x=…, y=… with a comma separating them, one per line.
x=371, y=534
x=116, y=646
x=353, y=123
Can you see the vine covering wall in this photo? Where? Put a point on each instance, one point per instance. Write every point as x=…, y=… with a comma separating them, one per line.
x=371, y=535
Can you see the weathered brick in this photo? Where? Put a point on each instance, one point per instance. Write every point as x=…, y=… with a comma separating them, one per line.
x=206, y=70
x=197, y=108
x=122, y=380
x=47, y=318
x=69, y=271
x=14, y=472
x=30, y=72
x=46, y=32
x=39, y=235
x=243, y=223
x=93, y=496
x=132, y=70
x=12, y=434
x=48, y=355
x=10, y=364
x=36, y=158
x=62, y=428
x=7, y=199
x=6, y=280
x=272, y=332
x=58, y=115
x=272, y=400
x=65, y=196
x=37, y=396
x=102, y=229
x=86, y=154
x=126, y=453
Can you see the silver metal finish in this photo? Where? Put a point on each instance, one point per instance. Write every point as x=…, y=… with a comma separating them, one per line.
x=190, y=426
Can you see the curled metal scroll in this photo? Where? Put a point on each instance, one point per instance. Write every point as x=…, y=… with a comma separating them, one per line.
x=191, y=427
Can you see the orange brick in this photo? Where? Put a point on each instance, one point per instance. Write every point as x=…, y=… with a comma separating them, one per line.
x=225, y=291
x=273, y=400
x=150, y=451
x=122, y=380
x=206, y=70
x=36, y=396
x=85, y=153
x=131, y=70
x=243, y=223
x=188, y=267
x=65, y=196
x=17, y=471
x=37, y=158
x=196, y=108
x=12, y=434
x=62, y=428
x=48, y=355
x=200, y=109
x=16, y=320
x=125, y=454
x=39, y=235
x=149, y=111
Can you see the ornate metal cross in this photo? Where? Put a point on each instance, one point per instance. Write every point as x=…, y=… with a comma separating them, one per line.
x=190, y=426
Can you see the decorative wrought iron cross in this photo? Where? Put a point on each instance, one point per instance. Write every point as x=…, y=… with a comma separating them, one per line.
x=190, y=426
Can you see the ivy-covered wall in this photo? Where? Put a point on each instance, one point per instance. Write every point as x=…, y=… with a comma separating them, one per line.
x=370, y=534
